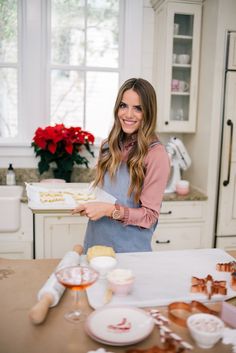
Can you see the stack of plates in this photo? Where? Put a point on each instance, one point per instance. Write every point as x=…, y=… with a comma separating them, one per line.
x=119, y=326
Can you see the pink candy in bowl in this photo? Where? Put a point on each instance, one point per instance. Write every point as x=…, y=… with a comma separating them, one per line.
x=120, y=281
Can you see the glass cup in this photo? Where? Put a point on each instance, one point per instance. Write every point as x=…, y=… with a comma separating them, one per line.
x=76, y=278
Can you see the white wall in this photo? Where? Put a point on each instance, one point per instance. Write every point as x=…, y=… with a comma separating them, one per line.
x=147, y=41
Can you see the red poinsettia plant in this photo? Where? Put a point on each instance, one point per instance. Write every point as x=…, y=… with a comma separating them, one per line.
x=62, y=146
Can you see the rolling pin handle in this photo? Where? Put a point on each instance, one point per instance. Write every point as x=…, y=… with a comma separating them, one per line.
x=39, y=312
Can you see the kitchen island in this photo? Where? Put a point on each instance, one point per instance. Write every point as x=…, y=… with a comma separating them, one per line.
x=20, y=282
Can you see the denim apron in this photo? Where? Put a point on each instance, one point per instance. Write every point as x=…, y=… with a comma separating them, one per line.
x=109, y=232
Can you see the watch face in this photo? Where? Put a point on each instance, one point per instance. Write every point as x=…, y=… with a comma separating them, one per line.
x=116, y=214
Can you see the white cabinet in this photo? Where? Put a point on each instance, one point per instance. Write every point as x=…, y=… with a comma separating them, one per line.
x=226, y=221
x=226, y=243
x=19, y=244
x=232, y=52
x=181, y=226
x=176, y=63
x=226, y=217
x=16, y=249
x=55, y=234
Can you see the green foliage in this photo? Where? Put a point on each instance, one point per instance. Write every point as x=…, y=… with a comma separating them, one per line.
x=8, y=19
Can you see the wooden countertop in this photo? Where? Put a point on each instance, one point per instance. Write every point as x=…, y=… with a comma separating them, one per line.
x=20, y=282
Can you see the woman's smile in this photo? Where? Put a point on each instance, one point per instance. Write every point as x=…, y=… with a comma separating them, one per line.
x=129, y=122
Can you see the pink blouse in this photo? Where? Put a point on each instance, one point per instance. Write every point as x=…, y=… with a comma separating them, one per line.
x=157, y=173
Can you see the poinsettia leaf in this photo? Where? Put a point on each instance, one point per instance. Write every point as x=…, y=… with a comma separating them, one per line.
x=87, y=146
x=43, y=166
x=80, y=160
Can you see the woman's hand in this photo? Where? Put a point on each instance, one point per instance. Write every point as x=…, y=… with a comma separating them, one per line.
x=94, y=210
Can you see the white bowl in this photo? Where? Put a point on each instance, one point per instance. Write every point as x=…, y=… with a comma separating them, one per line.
x=206, y=329
x=103, y=264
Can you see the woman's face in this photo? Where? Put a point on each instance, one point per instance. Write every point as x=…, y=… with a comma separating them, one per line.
x=130, y=112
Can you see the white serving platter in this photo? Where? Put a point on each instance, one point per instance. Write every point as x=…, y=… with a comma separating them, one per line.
x=164, y=277
x=69, y=192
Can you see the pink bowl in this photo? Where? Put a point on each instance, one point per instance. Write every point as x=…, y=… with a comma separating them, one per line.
x=121, y=288
x=52, y=181
x=120, y=281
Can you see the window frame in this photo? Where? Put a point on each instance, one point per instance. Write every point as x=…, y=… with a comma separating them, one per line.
x=33, y=104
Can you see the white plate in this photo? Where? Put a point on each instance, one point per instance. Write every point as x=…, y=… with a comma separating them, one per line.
x=119, y=326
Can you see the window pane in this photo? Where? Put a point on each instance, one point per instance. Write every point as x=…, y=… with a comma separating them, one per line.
x=67, y=99
x=68, y=23
x=102, y=33
x=84, y=34
x=8, y=31
x=8, y=102
x=101, y=91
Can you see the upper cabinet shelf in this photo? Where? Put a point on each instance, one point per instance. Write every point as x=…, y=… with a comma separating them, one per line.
x=176, y=63
x=182, y=38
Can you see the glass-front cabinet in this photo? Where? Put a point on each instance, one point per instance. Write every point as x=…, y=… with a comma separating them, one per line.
x=176, y=63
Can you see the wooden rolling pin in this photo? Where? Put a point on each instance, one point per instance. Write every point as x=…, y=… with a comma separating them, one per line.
x=51, y=292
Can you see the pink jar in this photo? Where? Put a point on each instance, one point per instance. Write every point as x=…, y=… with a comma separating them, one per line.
x=182, y=187
x=120, y=281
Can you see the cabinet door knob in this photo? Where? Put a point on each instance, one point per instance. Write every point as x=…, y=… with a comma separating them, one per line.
x=166, y=122
x=163, y=241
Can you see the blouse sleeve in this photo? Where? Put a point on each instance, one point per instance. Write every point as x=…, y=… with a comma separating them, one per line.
x=157, y=174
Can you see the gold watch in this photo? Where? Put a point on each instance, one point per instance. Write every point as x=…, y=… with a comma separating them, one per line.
x=116, y=214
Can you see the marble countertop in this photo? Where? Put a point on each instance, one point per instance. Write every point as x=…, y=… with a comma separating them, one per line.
x=87, y=175
x=193, y=195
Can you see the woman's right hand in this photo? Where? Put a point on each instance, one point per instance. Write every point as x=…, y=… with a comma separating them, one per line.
x=94, y=210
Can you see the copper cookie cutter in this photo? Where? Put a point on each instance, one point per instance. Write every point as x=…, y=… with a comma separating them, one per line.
x=208, y=286
x=183, y=307
x=226, y=267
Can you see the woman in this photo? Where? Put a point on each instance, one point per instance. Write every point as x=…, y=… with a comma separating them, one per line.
x=133, y=166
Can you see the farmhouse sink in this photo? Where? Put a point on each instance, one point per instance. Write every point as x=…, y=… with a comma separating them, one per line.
x=10, y=207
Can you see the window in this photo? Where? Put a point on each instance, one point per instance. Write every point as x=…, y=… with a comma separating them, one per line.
x=63, y=61
x=68, y=64
x=8, y=68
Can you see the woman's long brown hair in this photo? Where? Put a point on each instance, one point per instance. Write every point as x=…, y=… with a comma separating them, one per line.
x=110, y=158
